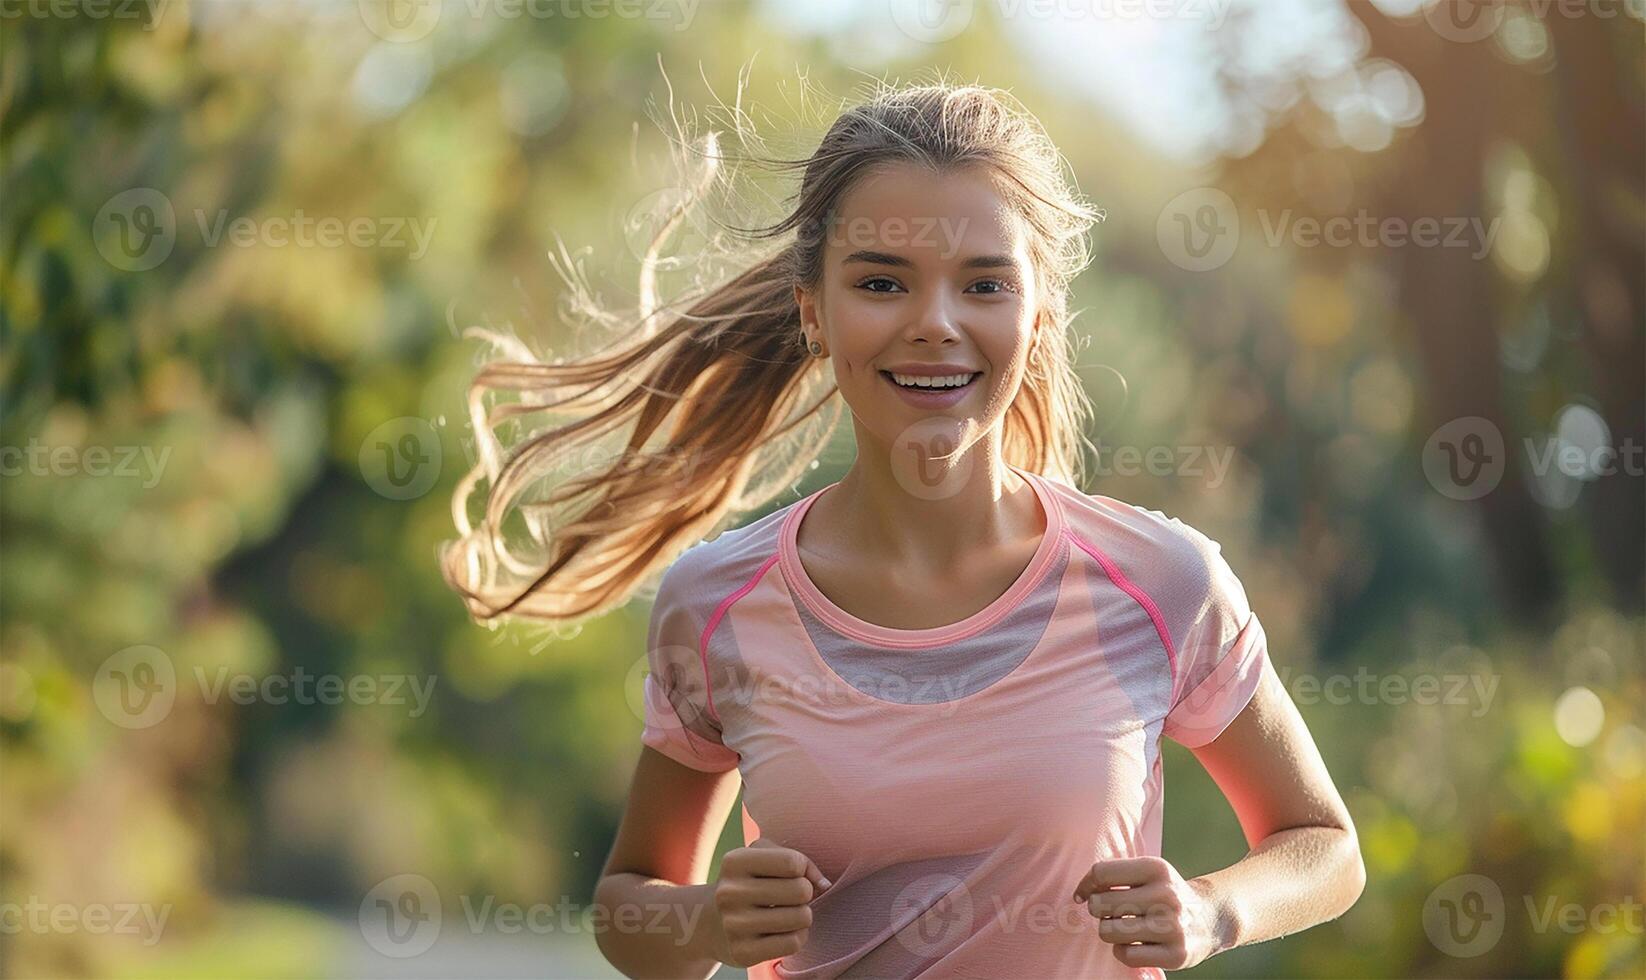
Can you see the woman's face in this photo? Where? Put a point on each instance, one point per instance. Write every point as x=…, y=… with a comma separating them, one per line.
x=926, y=281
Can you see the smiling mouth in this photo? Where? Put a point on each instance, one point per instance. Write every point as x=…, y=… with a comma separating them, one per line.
x=946, y=383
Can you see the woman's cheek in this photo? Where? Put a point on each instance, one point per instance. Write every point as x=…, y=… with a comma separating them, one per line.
x=861, y=331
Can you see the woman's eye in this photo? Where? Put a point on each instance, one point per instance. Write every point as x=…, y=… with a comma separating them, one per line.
x=986, y=287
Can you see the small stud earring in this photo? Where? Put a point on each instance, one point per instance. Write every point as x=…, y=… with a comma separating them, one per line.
x=815, y=347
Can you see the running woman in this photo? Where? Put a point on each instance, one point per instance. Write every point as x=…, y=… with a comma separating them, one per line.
x=941, y=682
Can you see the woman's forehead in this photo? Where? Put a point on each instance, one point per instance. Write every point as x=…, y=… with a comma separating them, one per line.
x=911, y=206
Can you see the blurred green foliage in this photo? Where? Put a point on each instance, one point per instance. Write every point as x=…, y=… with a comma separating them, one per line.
x=254, y=534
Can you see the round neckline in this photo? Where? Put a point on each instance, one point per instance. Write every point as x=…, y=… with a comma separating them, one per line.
x=839, y=619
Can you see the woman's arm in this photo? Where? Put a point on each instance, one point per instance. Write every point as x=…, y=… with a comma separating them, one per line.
x=654, y=923
x=1303, y=868
x=658, y=915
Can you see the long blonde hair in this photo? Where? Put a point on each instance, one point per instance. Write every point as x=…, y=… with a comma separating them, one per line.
x=710, y=406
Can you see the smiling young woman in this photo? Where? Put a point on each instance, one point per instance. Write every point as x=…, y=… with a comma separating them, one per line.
x=942, y=682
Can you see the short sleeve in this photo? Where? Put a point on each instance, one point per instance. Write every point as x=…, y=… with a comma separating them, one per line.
x=1220, y=655
x=678, y=722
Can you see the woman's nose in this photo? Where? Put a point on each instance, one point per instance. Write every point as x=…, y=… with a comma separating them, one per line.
x=934, y=320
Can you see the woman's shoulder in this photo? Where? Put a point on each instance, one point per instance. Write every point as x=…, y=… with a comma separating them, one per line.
x=1174, y=569
x=1161, y=552
x=715, y=567
x=1126, y=524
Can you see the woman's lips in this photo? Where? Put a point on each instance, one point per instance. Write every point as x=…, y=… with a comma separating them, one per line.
x=933, y=397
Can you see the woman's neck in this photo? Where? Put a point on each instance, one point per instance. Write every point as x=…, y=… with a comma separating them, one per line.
x=929, y=513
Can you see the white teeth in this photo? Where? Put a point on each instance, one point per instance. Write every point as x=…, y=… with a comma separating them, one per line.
x=922, y=381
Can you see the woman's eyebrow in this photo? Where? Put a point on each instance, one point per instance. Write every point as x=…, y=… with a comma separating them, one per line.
x=989, y=262
x=975, y=262
x=877, y=258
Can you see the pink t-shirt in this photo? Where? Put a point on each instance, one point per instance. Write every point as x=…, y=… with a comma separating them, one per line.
x=954, y=783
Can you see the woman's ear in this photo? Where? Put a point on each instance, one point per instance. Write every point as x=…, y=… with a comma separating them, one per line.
x=800, y=302
x=810, y=329
x=808, y=307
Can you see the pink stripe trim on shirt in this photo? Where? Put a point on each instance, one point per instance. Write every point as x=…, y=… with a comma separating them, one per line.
x=708, y=631
x=1127, y=586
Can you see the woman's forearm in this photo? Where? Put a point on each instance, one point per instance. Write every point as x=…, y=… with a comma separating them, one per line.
x=656, y=928
x=1291, y=880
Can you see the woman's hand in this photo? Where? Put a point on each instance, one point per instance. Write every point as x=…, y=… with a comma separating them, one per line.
x=1150, y=914
x=760, y=909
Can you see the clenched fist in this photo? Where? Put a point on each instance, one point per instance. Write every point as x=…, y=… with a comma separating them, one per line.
x=760, y=902
x=1149, y=913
